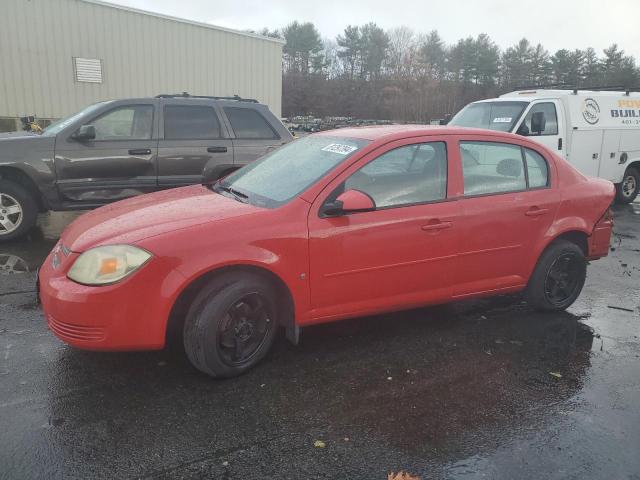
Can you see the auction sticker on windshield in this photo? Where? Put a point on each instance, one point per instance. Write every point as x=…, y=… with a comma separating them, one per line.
x=502, y=120
x=340, y=148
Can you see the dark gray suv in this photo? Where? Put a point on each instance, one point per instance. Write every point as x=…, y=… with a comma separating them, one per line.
x=116, y=149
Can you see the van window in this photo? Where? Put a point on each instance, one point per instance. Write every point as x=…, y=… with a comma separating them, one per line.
x=537, y=169
x=550, y=116
x=501, y=115
x=183, y=122
x=491, y=167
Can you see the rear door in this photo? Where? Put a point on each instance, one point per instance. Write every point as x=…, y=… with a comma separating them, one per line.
x=119, y=163
x=586, y=148
x=191, y=136
x=508, y=204
x=253, y=134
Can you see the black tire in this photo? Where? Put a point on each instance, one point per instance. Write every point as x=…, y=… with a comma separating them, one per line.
x=216, y=316
x=547, y=289
x=628, y=189
x=12, y=193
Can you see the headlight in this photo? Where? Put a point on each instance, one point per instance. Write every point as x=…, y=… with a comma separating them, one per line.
x=108, y=264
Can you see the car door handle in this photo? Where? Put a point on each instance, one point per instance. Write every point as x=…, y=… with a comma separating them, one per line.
x=436, y=225
x=140, y=151
x=217, y=149
x=536, y=212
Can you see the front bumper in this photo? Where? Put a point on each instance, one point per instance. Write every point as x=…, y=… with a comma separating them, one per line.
x=129, y=315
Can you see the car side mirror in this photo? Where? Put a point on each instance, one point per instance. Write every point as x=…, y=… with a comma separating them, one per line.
x=85, y=132
x=350, y=201
x=538, y=122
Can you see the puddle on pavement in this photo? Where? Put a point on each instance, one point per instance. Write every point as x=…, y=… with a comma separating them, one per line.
x=27, y=254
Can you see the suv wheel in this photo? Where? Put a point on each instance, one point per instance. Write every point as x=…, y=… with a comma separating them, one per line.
x=558, y=277
x=18, y=210
x=231, y=325
x=627, y=190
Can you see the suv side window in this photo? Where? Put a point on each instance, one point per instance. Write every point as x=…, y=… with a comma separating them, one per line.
x=490, y=167
x=249, y=124
x=550, y=116
x=190, y=122
x=131, y=122
x=537, y=169
x=404, y=176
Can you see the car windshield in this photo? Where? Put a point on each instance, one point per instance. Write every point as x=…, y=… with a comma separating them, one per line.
x=58, y=126
x=281, y=175
x=490, y=115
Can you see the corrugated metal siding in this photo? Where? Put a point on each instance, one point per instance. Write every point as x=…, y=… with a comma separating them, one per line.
x=141, y=55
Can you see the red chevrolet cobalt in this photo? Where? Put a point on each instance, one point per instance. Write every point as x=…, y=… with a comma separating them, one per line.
x=335, y=225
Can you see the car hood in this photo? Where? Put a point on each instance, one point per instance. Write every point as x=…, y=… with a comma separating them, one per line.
x=21, y=134
x=137, y=218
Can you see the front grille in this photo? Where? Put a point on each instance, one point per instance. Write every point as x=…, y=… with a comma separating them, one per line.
x=76, y=332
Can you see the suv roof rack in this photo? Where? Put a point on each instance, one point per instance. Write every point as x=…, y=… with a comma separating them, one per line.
x=237, y=98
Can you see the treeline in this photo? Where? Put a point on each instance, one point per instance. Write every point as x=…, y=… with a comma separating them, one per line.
x=399, y=74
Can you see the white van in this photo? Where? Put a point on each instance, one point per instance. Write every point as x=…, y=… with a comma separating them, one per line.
x=597, y=131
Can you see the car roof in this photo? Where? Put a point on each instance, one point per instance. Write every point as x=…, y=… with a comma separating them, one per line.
x=396, y=132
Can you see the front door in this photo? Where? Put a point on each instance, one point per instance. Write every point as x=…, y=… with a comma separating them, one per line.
x=191, y=137
x=550, y=132
x=400, y=254
x=119, y=162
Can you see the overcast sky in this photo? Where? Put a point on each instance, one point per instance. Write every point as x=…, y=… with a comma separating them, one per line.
x=554, y=23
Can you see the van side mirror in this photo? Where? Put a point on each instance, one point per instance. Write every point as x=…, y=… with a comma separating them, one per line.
x=350, y=201
x=538, y=122
x=85, y=132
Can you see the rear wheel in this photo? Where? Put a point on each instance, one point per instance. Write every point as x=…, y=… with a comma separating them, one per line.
x=18, y=210
x=627, y=190
x=231, y=325
x=558, y=277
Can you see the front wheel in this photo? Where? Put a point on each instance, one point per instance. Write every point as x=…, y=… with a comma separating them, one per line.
x=627, y=190
x=231, y=325
x=18, y=210
x=558, y=278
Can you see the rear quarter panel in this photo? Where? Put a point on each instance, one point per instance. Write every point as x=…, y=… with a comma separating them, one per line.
x=583, y=201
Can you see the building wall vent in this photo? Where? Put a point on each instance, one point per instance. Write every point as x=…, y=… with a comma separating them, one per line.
x=87, y=69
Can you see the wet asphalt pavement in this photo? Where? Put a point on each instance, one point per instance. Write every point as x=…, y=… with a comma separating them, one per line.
x=480, y=389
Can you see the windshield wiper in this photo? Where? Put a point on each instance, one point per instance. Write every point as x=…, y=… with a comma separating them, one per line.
x=241, y=197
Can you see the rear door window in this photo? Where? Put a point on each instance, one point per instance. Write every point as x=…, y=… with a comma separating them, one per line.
x=491, y=167
x=247, y=123
x=537, y=169
x=190, y=122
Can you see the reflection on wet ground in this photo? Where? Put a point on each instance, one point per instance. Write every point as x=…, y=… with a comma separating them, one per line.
x=27, y=254
x=477, y=389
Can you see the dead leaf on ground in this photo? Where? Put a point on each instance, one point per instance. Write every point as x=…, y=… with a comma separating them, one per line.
x=401, y=476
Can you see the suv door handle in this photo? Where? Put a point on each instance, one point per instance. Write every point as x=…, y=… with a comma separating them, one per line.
x=217, y=149
x=536, y=212
x=140, y=151
x=436, y=225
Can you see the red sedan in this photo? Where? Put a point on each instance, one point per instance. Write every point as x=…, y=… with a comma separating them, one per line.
x=335, y=225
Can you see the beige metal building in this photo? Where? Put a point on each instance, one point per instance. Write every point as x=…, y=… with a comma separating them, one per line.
x=58, y=56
